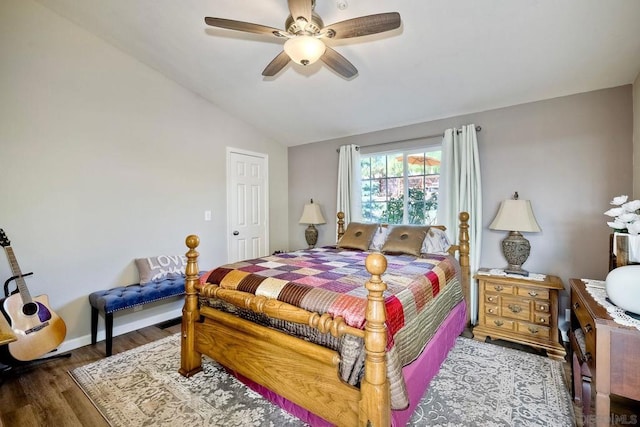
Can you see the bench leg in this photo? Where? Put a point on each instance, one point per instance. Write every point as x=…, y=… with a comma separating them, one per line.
x=94, y=325
x=108, y=320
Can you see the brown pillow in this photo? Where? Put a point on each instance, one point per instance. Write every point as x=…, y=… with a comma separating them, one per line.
x=405, y=239
x=357, y=236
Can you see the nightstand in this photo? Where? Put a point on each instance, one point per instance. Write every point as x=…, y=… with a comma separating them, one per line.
x=520, y=310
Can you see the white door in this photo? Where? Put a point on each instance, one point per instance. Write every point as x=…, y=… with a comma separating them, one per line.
x=247, y=197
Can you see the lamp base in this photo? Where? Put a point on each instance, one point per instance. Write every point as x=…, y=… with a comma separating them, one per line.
x=311, y=234
x=516, y=250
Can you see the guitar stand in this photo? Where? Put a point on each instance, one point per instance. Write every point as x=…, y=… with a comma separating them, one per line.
x=11, y=367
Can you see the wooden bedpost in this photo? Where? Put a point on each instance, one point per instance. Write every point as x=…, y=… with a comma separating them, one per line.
x=376, y=400
x=463, y=239
x=190, y=360
x=340, y=225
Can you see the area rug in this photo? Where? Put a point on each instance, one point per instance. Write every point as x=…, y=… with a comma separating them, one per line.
x=479, y=384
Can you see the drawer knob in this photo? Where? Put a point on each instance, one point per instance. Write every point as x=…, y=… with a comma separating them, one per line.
x=489, y=298
x=541, y=307
x=498, y=288
x=498, y=322
x=533, y=293
x=588, y=328
x=533, y=330
x=542, y=320
x=490, y=310
x=515, y=308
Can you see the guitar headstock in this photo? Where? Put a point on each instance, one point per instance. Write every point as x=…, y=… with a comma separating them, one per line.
x=4, y=240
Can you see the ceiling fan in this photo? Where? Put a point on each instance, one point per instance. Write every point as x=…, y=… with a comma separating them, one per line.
x=305, y=32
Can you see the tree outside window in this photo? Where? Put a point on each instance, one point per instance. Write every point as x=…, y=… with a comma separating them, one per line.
x=401, y=187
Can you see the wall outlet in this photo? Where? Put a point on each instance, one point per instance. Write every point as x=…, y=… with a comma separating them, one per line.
x=567, y=314
x=207, y=215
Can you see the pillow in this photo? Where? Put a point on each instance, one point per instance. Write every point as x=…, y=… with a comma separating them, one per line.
x=160, y=267
x=379, y=237
x=405, y=239
x=436, y=242
x=357, y=236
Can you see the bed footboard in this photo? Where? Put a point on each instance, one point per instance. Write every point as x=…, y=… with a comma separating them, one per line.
x=303, y=372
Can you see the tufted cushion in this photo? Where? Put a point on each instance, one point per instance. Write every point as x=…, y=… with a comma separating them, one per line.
x=405, y=239
x=357, y=236
x=122, y=297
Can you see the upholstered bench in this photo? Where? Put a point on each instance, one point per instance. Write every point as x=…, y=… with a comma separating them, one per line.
x=121, y=298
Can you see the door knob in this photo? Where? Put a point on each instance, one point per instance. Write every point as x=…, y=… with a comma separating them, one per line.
x=235, y=233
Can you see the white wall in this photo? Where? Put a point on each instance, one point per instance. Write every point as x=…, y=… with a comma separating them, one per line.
x=104, y=160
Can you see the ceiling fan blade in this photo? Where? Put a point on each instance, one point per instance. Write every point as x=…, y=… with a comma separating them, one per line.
x=338, y=63
x=363, y=26
x=301, y=8
x=277, y=64
x=247, y=27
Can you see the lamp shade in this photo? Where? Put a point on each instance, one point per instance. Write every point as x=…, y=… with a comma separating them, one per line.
x=515, y=215
x=312, y=214
x=304, y=50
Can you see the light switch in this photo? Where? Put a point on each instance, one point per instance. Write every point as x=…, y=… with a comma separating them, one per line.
x=207, y=215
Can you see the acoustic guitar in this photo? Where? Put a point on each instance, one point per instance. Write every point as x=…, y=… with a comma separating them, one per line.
x=38, y=329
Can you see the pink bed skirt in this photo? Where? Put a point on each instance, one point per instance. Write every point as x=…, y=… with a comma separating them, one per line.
x=418, y=374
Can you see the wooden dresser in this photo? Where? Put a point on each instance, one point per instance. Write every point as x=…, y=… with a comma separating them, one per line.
x=520, y=310
x=607, y=358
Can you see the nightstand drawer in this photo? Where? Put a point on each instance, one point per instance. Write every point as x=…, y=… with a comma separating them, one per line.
x=586, y=322
x=515, y=308
x=542, y=318
x=492, y=309
x=500, y=323
x=491, y=299
x=541, y=306
x=533, y=293
x=534, y=330
x=498, y=287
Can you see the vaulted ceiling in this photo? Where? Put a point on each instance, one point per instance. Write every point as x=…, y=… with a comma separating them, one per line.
x=449, y=57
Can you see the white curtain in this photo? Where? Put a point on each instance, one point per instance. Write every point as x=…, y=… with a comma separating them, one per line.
x=461, y=190
x=349, y=183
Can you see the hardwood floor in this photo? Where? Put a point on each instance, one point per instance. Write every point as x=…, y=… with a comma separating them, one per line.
x=46, y=395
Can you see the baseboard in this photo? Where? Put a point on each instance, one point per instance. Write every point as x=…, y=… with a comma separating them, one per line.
x=72, y=344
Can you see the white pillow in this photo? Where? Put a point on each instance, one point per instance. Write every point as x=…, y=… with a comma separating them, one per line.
x=379, y=237
x=436, y=242
x=161, y=267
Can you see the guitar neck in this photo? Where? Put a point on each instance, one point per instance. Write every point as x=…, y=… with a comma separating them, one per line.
x=15, y=270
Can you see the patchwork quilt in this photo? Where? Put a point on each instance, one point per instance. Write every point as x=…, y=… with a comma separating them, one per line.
x=420, y=293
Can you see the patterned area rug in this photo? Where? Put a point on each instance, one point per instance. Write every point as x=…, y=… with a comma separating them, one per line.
x=478, y=384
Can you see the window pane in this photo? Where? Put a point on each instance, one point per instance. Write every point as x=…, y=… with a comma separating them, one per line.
x=415, y=163
x=378, y=166
x=395, y=165
x=395, y=188
x=365, y=167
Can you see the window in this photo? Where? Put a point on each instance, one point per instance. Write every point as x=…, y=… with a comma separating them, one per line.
x=400, y=187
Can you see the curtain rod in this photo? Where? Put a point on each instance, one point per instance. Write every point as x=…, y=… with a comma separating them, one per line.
x=478, y=129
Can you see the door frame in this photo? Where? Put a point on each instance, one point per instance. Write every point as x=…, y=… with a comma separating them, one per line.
x=265, y=157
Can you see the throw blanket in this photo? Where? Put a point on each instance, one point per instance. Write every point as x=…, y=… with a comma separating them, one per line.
x=420, y=293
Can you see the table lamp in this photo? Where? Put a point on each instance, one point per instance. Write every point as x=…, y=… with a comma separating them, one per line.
x=311, y=215
x=515, y=216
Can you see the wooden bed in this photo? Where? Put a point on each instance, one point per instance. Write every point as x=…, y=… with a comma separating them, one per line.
x=268, y=356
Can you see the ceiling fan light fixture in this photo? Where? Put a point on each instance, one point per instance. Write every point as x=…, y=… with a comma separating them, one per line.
x=304, y=49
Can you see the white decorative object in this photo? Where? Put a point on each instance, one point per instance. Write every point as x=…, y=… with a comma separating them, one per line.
x=626, y=215
x=623, y=287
